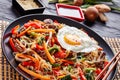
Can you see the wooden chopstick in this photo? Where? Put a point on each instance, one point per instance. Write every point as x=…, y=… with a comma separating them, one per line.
x=98, y=77
x=109, y=71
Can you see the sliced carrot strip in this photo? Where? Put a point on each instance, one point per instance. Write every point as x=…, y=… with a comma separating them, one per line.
x=31, y=58
x=14, y=30
x=51, y=59
x=42, y=30
x=39, y=76
x=22, y=33
x=68, y=61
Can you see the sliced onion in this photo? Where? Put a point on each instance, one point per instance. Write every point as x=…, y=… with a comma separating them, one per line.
x=50, y=36
x=21, y=59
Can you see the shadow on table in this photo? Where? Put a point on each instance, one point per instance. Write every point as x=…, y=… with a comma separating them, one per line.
x=17, y=14
x=91, y=24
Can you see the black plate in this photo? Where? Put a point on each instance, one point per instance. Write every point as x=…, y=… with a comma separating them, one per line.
x=8, y=52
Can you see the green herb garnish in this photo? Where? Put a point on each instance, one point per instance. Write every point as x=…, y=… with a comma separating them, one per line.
x=67, y=77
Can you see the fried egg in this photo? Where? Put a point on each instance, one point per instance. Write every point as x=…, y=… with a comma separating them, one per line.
x=76, y=40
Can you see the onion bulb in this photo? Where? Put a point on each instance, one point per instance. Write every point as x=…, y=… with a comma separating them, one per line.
x=91, y=14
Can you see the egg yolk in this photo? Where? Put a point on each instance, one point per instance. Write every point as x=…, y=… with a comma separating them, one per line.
x=72, y=39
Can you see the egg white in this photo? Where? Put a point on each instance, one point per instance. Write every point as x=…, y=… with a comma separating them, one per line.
x=87, y=44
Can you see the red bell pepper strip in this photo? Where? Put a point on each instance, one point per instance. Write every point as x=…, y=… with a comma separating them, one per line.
x=55, y=21
x=28, y=63
x=56, y=72
x=33, y=24
x=67, y=61
x=60, y=54
x=98, y=71
x=12, y=45
x=105, y=63
x=15, y=29
x=66, y=64
x=81, y=74
x=56, y=40
x=32, y=62
x=38, y=47
x=56, y=68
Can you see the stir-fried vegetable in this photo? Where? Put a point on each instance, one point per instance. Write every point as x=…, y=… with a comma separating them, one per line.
x=12, y=45
x=51, y=59
x=81, y=74
x=89, y=69
x=60, y=54
x=38, y=47
x=89, y=75
x=22, y=33
x=15, y=29
x=33, y=24
x=39, y=53
x=40, y=40
x=42, y=30
x=34, y=74
x=55, y=65
x=54, y=49
x=67, y=77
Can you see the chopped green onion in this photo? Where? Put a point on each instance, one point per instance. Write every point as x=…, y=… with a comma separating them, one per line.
x=55, y=65
x=40, y=40
x=67, y=77
x=89, y=75
x=89, y=69
x=69, y=68
x=54, y=49
x=33, y=34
